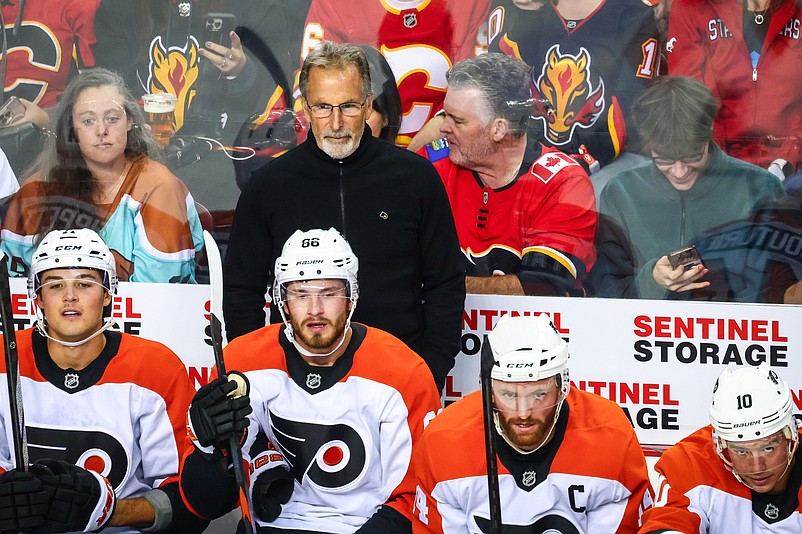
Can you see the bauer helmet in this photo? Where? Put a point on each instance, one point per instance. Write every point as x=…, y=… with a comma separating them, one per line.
x=526, y=349
x=752, y=403
x=79, y=248
x=315, y=255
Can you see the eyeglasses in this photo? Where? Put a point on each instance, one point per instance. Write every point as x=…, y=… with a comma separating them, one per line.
x=687, y=160
x=348, y=109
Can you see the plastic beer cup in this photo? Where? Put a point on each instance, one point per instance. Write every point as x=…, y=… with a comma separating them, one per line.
x=159, y=109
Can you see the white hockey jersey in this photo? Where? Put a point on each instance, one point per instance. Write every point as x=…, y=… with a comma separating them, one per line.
x=123, y=416
x=347, y=431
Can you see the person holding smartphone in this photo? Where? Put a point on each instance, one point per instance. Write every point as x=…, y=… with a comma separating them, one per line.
x=198, y=52
x=648, y=213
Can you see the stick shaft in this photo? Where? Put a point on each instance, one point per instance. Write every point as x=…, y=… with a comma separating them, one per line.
x=216, y=282
x=12, y=371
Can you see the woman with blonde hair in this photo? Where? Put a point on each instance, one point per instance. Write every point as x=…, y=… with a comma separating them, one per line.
x=96, y=172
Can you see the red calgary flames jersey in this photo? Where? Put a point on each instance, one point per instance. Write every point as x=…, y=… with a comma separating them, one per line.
x=40, y=56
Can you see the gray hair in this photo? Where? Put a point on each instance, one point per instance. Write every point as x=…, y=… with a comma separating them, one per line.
x=337, y=56
x=504, y=82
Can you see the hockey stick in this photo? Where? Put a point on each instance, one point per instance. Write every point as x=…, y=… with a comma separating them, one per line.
x=493, y=492
x=19, y=436
x=215, y=313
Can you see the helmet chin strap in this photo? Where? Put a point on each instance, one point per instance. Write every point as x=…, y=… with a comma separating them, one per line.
x=108, y=322
x=290, y=333
x=545, y=440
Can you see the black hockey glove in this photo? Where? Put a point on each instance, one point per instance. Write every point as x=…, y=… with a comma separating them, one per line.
x=216, y=415
x=80, y=500
x=272, y=489
x=23, y=502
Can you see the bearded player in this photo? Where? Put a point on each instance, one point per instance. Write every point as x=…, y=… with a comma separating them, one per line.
x=342, y=402
x=567, y=463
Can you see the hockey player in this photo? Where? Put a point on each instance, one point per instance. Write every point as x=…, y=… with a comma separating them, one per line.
x=525, y=214
x=344, y=403
x=104, y=411
x=739, y=474
x=567, y=463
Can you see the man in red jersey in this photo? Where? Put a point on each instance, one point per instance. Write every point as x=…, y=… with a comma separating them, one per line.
x=525, y=213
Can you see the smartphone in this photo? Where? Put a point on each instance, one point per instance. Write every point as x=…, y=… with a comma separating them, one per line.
x=688, y=257
x=11, y=111
x=217, y=26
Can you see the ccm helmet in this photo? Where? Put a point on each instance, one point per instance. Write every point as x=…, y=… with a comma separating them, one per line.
x=527, y=349
x=751, y=403
x=80, y=248
x=315, y=255
x=65, y=249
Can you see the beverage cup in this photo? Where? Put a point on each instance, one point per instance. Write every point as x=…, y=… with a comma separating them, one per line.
x=159, y=110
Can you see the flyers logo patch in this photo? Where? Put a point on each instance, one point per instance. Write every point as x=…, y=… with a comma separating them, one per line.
x=565, y=84
x=174, y=70
x=330, y=456
x=551, y=524
x=98, y=451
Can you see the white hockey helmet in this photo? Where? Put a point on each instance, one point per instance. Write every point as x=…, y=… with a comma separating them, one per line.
x=65, y=249
x=751, y=403
x=80, y=248
x=315, y=255
x=527, y=349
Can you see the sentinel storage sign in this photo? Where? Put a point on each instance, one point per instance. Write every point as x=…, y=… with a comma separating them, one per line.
x=657, y=359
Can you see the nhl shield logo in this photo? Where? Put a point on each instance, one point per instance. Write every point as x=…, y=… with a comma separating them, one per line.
x=529, y=478
x=184, y=9
x=772, y=512
x=313, y=380
x=410, y=20
x=71, y=381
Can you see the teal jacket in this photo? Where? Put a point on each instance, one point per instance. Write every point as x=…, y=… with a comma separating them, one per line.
x=642, y=218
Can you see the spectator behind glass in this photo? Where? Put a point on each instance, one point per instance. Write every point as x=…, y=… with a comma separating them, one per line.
x=385, y=120
x=589, y=59
x=54, y=39
x=96, y=173
x=525, y=213
x=163, y=46
x=689, y=187
x=421, y=39
x=749, y=54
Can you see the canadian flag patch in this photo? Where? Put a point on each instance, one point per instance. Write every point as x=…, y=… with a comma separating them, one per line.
x=549, y=164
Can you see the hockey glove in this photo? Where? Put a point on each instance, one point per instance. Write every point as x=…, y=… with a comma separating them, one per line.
x=219, y=410
x=272, y=489
x=23, y=502
x=80, y=500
